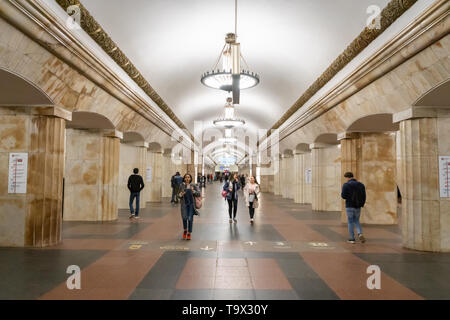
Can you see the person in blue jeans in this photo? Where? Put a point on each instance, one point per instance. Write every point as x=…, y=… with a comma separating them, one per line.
x=135, y=185
x=188, y=192
x=354, y=193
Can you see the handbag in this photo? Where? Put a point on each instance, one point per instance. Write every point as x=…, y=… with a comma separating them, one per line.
x=198, y=202
x=224, y=193
x=255, y=203
x=251, y=197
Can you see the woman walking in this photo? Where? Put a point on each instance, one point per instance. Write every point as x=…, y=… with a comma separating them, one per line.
x=188, y=191
x=231, y=187
x=251, y=192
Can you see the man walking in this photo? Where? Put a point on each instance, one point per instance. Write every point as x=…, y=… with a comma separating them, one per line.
x=354, y=193
x=175, y=182
x=135, y=185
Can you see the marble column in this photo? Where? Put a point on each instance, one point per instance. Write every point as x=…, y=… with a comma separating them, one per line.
x=155, y=160
x=287, y=177
x=372, y=159
x=326, y=181
x=34, y=218
x=303, y=188
x=91, y=175
x=424, y=139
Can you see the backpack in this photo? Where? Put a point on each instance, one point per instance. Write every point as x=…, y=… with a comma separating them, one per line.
x=358, y=196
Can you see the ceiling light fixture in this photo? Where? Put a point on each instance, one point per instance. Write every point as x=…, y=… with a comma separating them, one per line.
x=231, y=77
x=228, y=120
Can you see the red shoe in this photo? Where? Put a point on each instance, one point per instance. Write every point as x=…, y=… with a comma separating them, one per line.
x=189, y=236
x=184, y=235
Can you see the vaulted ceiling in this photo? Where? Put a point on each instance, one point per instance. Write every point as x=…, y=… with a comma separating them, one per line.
x=288, y=42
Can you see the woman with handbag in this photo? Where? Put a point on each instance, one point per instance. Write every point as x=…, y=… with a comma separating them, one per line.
x=188, y=193
x=231, y=187
x=251, y=192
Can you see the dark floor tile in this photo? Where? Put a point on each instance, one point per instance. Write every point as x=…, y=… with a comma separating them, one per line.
x=193, y=295
x=151, y=294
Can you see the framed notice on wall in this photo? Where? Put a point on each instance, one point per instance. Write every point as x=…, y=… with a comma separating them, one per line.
x=444, y=176
x=148, y=174
x=308, y=176
x=18, y=172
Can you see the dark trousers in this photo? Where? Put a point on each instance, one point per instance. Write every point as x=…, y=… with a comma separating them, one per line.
x=134, y=195
x=251, y=210
x=188, y=220
x=174, y=196
x=232, y=207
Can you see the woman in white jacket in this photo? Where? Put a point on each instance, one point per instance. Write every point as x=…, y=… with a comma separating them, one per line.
x=251, y=192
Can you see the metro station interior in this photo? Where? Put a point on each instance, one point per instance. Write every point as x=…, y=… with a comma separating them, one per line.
x=294, y=93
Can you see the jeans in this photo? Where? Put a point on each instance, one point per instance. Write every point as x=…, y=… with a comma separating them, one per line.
x=189, y=221
x=251, y=210
x=174, y=196
x=232, y=207
x=353, y=215
x=132, y=196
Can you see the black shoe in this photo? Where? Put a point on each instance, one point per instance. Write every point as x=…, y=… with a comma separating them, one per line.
x=351, y=241
x=361, y=238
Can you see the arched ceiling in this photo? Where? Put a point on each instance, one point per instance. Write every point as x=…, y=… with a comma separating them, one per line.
x=289, y=43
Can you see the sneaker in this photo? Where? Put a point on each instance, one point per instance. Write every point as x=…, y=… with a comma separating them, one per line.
x=231, y=220
x=351, y=241
x=188, y=236
x=361, y=238
x=235, y=220
x=136, y=217
x=131, y=215
x=184, y=234
x=251, y=221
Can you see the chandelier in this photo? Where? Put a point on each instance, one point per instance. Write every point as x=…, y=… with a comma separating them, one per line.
x=230, y=77
x=228, y=120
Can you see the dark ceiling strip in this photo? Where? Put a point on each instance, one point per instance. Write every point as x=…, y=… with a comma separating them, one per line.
x=96, y=32
x=392, y=12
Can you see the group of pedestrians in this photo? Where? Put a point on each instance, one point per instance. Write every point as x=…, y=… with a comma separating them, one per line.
x=187, y=192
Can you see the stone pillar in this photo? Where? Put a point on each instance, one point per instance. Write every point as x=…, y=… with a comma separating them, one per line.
x=34, y=218
x=424, y=137
x=372, y=159
x=155, y=160
x=168, y=170
x=92, y=175
x=303, y=190
x=326, y=177
x=287, y=177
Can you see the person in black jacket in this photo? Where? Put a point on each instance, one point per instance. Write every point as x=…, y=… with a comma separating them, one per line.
x=135, y=185
x=354, y=193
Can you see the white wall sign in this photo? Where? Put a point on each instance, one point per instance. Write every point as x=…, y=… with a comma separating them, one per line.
x=308, y=176
x=444, y=176
x=148, y=175
x=18, y=172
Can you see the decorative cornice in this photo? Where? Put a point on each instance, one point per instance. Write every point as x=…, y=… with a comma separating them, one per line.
x=390, y=13
x=96, y=32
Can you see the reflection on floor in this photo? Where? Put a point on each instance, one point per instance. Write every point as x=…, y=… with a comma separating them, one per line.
x=289, y=253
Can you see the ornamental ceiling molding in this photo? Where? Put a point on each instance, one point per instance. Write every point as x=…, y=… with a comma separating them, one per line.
x=389, y=15
x=96, y=32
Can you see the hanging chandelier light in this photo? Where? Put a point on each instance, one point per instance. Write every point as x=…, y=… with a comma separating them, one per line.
x=228, y=120
x=231, y=77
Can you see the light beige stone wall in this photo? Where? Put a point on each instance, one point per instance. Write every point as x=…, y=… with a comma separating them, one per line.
x=372, y=159
x=425, y=215
x=91, y=176
x=154, y=187
x=277, y=177
x=303, y=190
x=33, y=219
x=326, y=178
x=266, y=183
x=131, y=157
x=287, y=182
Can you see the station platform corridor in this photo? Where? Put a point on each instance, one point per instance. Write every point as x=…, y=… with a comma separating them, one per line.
x=289, y=253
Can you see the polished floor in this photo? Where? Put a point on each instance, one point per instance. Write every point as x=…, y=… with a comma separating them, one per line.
x=289, y=253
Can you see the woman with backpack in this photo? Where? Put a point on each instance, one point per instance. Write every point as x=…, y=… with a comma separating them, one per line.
x=251, y=192
x=231, y=187
x=188, y=193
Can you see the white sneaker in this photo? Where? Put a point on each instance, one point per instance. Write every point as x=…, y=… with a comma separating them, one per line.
x=131, y=215
x=251, y=220
x=137, y=217
x=231, y=221
x=235, y=220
